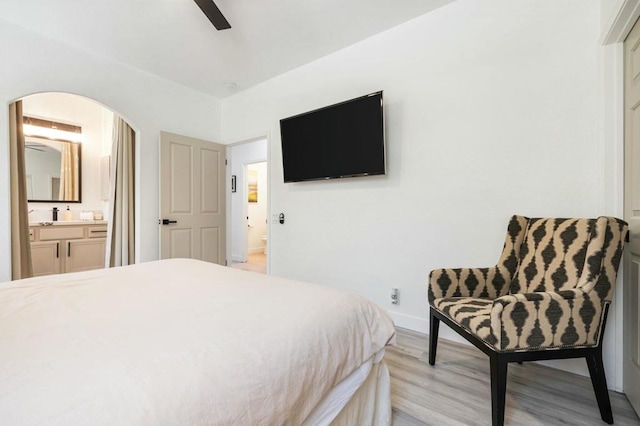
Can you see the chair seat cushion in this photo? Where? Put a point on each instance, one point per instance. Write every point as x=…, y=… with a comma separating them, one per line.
x=471, y=313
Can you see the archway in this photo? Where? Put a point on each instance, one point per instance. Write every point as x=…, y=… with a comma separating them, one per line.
x=49, y=121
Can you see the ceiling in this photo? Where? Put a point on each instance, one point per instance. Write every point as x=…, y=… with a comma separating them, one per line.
x=174, y=39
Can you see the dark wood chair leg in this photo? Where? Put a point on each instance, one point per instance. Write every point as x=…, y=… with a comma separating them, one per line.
x=498, y=388
x=599, y=381
x=433, y=337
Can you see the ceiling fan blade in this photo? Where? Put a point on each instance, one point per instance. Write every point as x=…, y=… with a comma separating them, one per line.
x=213, y=13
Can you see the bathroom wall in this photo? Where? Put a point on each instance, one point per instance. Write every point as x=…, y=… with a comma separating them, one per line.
x=257, y=212
x=96, y=122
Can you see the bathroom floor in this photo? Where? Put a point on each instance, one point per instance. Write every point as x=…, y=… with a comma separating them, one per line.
x=257, y=263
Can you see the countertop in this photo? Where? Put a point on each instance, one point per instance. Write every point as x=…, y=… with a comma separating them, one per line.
x=69, y=222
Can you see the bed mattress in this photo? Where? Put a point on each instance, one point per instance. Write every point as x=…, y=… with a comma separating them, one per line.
x=179, y=342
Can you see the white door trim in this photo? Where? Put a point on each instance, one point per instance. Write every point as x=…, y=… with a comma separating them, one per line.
x=612, y=110
x=620, y=23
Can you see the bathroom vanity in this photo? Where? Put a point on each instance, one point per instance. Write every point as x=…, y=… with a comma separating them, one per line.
x=67, y=246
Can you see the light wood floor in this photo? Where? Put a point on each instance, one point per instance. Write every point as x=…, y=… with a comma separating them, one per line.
x=456, y=390
x=257, y=263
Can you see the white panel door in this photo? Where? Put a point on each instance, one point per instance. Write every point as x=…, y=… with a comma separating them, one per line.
x=192, y=199
x=631, y=367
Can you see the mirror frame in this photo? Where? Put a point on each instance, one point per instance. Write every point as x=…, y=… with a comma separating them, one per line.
x=62, y=126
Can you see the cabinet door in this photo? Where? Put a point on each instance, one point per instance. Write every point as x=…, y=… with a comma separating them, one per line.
x=84, y=255
x=45, y=257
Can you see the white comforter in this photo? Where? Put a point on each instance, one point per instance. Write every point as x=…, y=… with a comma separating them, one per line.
x=177, y=342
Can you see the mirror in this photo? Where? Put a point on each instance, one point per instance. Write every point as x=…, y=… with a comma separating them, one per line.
x=53, y=170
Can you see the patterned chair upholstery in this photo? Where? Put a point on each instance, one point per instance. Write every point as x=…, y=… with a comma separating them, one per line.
x=547, y=298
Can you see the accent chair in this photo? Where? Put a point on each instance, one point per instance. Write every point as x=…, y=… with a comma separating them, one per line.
x=547, y=298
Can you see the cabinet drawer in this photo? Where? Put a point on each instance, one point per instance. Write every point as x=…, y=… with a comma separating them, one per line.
x=61, y=233
x=98, y=232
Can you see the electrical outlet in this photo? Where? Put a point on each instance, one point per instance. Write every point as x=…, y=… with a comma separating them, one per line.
x=395, y=296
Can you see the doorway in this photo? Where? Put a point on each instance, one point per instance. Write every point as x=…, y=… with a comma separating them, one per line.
x=66, y=144
x=257, y=235
x=249, y=205
x=63, y=172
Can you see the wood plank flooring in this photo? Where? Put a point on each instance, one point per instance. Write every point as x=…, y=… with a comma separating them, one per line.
x=456, y=391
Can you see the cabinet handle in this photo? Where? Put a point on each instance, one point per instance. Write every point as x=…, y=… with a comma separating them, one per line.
x=69, y=249
x=57, y=250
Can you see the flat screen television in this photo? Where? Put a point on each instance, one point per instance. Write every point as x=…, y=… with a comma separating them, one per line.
x=341, y=140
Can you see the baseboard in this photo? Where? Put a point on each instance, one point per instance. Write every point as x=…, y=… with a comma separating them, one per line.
x=256, y=250
x=421, y=325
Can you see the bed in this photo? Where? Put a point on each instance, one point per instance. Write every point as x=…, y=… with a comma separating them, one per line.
x=184, y=342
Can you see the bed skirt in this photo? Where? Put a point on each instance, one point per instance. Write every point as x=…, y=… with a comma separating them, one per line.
x=363, y=398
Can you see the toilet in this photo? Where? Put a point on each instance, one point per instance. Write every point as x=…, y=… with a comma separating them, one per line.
x=264, y=240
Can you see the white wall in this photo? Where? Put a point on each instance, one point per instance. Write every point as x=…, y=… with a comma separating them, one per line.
x=239, y=156
x=96, y=129
x=34, y=64
x=492, y=108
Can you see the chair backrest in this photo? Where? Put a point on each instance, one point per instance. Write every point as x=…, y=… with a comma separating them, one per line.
x=564, y=254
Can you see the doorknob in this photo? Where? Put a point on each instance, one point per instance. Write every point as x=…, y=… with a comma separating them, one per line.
x=167, y=221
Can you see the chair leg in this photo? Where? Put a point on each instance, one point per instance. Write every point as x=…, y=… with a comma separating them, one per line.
x=599, y=381
x=498, y=388
x=433, y=337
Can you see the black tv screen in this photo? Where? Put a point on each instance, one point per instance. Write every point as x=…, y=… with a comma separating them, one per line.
x=341, y=140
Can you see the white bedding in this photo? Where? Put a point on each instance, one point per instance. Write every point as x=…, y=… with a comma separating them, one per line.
x=177, y=342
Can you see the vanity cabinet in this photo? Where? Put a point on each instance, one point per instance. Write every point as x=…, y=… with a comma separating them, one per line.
x=63, y=248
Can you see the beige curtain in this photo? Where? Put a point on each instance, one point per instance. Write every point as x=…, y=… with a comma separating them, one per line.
x=121, y=229
x=20, y=242
x=69, y=164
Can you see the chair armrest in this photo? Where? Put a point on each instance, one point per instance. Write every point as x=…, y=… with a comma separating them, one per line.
x=468, y=282
x=542, y=320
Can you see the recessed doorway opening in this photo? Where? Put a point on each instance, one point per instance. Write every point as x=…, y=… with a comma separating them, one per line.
x=249, y=206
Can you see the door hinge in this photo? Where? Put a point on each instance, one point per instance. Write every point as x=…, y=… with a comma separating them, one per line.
x=225, y=162
x=225, y=263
